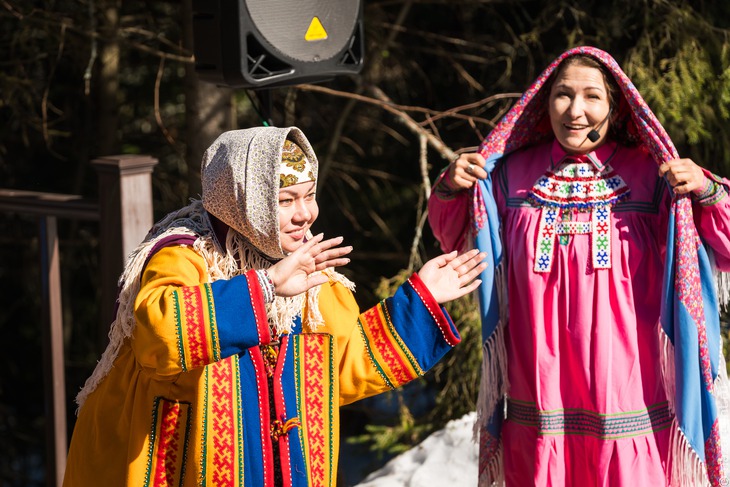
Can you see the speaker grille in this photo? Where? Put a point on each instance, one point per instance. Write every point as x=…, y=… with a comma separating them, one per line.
x=284, y=24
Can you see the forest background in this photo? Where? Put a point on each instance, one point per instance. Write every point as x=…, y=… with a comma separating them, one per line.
x=81, y=79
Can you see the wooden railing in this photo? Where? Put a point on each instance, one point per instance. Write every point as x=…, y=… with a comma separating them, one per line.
x=124, y=211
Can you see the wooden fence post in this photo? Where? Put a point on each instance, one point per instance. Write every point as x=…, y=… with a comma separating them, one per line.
x=53, y=360
x=126, y=215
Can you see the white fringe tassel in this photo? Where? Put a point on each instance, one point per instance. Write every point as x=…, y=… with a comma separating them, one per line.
x=722, y=400
x=493, y=387
x=685, y=467
x=666, y=359
x=722, y=280
x=493, y=383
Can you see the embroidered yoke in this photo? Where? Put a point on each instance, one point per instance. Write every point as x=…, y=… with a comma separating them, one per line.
x=582, y=184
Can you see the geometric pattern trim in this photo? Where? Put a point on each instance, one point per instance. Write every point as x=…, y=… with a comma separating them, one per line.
x=168, y=443
x=576, y=186
x=222, y=452
x=386, y=348
x=314, y=362
x=589, y=423
x=195, y=324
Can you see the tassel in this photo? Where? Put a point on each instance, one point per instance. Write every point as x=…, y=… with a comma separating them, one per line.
x=722, y=401
x=493, y=384
x=685, y=467
x=280, y=428
x=666, y=360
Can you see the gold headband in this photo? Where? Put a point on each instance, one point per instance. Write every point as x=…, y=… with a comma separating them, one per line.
x=295, y=168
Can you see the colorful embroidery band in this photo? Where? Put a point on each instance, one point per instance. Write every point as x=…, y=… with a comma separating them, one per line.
x=589, y=423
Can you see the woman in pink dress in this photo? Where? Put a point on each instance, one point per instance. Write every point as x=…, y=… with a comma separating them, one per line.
x=602, y=351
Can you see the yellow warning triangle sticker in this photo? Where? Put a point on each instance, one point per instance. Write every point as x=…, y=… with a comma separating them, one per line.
x=316, y=31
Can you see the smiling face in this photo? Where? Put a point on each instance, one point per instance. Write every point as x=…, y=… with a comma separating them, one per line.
x=579, y=102
x=297, y=212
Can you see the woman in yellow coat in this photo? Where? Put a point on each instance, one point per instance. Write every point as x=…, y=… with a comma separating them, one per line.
x=235, y=342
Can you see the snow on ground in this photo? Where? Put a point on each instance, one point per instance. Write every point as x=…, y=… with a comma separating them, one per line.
x=446, y=458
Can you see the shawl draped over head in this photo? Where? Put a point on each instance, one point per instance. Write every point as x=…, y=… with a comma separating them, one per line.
x=689, y=327
x=240, y=178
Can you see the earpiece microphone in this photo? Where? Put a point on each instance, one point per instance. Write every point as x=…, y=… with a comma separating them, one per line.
x=593, y=135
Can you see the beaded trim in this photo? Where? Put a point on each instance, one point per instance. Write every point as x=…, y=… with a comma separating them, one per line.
x=711, y=194
x=576, y=185
x=267, y=285
x=579, y=185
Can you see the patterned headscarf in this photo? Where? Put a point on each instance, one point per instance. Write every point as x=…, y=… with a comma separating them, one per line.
x=241, y=177
x=690, y=330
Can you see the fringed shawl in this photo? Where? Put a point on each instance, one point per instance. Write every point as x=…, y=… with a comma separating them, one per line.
x=689, y=329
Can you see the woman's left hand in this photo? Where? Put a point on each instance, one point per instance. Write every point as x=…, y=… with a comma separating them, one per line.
x=683, y=175
x=451, y=276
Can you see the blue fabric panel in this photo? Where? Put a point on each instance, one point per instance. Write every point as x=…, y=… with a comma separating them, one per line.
x=252, y=451
x=234, y=315
x=488, y=241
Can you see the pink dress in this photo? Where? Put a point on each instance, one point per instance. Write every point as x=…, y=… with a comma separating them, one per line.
x=586, y=404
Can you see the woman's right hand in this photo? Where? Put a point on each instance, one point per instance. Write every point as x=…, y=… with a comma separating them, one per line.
x=298, y=271
x=465, y=171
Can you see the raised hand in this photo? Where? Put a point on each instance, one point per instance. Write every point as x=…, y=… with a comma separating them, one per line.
x=684, y=175
x=465, y=171
x=451, y=276
x=297, y=272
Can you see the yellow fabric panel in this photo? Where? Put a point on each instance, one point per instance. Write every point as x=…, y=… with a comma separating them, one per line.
x=170, y=318
x=117, y=419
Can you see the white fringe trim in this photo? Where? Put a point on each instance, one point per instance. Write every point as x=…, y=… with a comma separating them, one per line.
x=666, y=359
x=124, y=322
x=722, y=281
x=722, y=401
x=685, y=467
x=493, y=383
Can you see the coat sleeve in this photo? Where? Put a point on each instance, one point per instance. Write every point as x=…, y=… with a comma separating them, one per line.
x=390, y=344
x=185, y=322
x=712, y=219
x=448, y=215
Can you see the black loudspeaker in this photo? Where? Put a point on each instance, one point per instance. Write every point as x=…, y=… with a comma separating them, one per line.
x=267, y=43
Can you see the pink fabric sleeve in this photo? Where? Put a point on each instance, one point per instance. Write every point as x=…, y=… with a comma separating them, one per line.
x=448, y=215
x=713, y=224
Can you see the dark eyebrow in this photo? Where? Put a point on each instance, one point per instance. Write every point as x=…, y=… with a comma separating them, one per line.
x=292, y=193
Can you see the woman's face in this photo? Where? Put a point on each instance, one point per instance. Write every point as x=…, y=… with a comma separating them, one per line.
x=297, y=211
x=579, y=103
